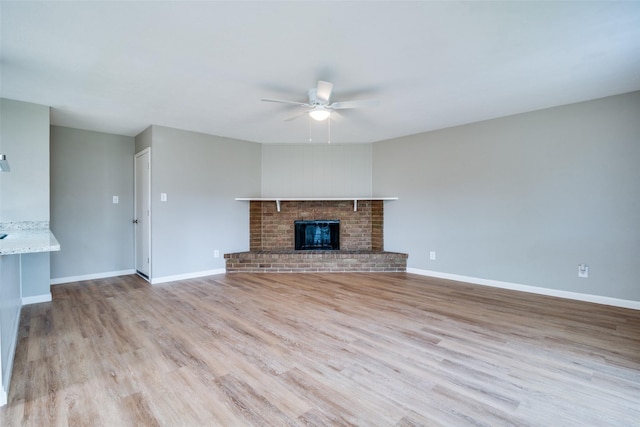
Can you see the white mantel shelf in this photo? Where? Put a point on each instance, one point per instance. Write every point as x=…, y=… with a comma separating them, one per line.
x=312, y=199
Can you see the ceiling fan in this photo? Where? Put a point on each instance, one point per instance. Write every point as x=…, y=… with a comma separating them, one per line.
x=320, y=106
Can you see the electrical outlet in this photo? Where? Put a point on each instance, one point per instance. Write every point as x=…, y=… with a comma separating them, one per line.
x=432, y=255
x=116, y=200
x=583, y=271
x=216, y=253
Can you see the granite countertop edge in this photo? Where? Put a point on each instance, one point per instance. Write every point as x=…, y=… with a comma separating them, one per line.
x=25, y=237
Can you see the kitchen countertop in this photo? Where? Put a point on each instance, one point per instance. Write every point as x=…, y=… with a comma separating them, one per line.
x=27, y=237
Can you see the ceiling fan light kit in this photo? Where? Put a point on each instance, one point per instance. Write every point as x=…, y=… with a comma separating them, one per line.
x=319, y=113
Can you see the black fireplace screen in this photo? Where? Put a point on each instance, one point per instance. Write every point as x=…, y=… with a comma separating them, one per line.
x=317, y=235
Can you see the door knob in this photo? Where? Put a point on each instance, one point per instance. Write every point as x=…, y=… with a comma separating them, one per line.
x=135, y=221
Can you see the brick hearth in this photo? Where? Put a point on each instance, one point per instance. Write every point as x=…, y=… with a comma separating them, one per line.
x=315, y=261
x=272, y=239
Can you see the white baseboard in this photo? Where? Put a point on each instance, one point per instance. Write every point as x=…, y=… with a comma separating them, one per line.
x=36, y=299
x=165, y=279
x=598, y=299
x=94, y=276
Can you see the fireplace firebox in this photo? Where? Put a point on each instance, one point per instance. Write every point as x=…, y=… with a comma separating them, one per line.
x=319, y=235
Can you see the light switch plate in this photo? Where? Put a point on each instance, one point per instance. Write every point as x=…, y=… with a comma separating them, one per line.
x=163, y=197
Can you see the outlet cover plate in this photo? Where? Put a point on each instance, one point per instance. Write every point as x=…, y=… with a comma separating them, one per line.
x=583, y=271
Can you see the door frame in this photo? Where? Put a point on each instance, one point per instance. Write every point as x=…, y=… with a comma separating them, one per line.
x=135, y=211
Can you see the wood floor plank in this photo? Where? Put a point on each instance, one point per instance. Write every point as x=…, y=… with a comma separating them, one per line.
x=138, y=411
x=321, y=349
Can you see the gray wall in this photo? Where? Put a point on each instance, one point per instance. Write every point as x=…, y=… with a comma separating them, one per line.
x=316, y=170
x=201, y=174
x=10, y=302
x=143, y=139
x=87, y=170
x=25, y=141
x=522, y=199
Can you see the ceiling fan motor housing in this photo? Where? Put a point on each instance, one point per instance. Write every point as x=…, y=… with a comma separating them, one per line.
x=313, y=98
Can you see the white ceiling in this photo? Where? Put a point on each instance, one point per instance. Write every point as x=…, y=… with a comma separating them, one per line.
x=119, y=67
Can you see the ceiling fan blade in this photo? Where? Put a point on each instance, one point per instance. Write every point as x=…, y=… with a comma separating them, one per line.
x=302, y=104
x=297, y=116
x=324, y=90
x=354, y=104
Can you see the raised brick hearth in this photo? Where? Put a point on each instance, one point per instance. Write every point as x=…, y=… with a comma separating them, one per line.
x=315, y=261
x=272, y=239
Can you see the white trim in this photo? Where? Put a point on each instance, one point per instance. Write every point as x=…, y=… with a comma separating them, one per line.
x=135, y=209
x=598, y=299
x=94, y=276
x=36, y=299
x=187, y=276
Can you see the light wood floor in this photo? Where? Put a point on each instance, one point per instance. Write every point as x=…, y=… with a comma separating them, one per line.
x=321, y=349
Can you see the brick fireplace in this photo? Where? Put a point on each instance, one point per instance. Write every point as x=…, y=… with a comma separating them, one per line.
x=359, y=231
x=272, y=238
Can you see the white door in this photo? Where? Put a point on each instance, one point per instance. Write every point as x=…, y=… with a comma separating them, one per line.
x=142, y=215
